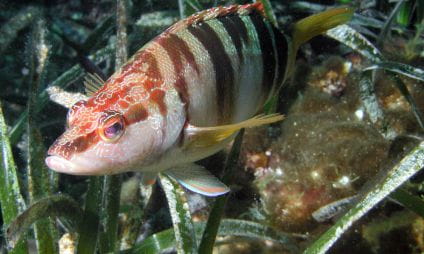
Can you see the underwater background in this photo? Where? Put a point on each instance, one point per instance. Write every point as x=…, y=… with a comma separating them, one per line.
x=340, y=174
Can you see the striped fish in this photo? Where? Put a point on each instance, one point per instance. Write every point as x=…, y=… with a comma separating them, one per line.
x=184, y=96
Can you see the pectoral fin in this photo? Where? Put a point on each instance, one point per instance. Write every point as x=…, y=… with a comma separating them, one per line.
x=199, y=137
x=197, y=179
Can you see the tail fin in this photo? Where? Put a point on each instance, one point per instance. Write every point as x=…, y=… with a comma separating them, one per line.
x=314, y=25
x=317, y=24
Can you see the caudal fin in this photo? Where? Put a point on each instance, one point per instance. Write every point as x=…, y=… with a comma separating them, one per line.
x=314, y=25
x=317, y=24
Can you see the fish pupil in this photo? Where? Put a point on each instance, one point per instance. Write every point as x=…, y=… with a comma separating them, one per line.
x=113, y=130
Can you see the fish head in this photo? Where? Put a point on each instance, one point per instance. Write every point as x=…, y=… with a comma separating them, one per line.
x=104, y=137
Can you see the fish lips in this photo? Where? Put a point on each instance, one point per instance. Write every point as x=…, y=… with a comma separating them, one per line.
x=59, y=164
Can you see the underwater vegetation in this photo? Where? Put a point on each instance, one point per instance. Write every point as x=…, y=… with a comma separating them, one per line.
x=342, y=173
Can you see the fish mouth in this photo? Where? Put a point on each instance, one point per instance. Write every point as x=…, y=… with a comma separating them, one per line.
x=59, y=164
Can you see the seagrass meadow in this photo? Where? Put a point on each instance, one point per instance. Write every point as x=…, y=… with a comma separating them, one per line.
x=342, y=173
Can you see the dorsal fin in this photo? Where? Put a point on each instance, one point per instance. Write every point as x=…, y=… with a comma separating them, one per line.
x=217, y=12
x=92, y=83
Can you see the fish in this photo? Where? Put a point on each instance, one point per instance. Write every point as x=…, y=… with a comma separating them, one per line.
x=184, y=96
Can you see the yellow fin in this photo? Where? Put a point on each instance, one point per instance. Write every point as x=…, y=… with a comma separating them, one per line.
x=208, y=136
x=317, y=24
x=92, y=83
x=314, y=25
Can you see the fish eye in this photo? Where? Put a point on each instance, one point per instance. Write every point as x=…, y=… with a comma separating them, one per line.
x=70, y=117
x=111, y=126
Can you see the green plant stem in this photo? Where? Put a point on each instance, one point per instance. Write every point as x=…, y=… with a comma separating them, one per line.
x=181, y=218
x=159, y=242
x=111, y=196
x=89, y=225
x=407, y=95
x=11, y=200
x=412, y=202
x=386, y=27
x=38, y=175
x=214, y=220
x=372, y=107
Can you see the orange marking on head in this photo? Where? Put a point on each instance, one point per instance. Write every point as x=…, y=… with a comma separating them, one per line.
x=65, y=146
x=123, y=104
x=135, y=113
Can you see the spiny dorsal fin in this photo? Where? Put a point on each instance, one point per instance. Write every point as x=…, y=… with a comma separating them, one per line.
x=92, y=83
x=216, y=12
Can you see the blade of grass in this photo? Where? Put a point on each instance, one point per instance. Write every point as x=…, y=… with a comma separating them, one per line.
x=194, y=5
x=351, y=38
x=404, y=14
x=411, y=101
x=113, y=183
x=256, y=230
x=401, y=172
x=366, y=21
x=211, y=230
x=400, y=68
x=165, y=240
x=110, y=211
x=372, y=108
x=181, y=8
x=310, y=7
x=155, y=243
x=11, y=200
x=52, y=206
x=420, y=11
x=181, y=218
x=89, y=225
x=412, y=202
x=188, y=7
x=389, y=21
x=38, y=176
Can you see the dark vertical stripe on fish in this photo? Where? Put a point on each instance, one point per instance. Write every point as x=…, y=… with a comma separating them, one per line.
x=282, y=51
x=267, y=49
x=148, y=58
x=235, y=35
x=177, y=48
x=241, y=27
x=224, y=73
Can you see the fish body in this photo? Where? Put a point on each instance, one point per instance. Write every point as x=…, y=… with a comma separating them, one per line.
x=180, y=98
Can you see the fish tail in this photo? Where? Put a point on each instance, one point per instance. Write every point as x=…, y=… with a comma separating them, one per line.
x=314, y=25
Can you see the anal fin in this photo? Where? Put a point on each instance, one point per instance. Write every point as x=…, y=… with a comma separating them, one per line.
x=200, y=137
x=197, y=179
